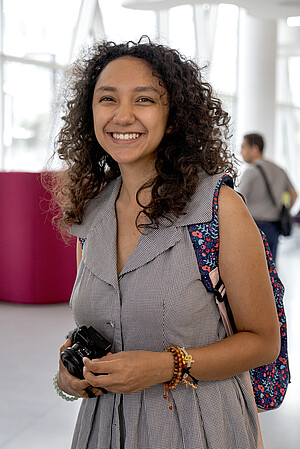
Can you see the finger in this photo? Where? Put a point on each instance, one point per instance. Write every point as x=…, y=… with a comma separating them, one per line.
x=106, y=357
x=80, y=387
x=67, y=343
x=71, y=385
x=95, y=391
x=79, y=384
x=97, y=366
x=89, y=392
x=98, y=380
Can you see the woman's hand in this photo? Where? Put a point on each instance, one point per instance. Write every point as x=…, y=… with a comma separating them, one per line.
x=72, y=385
x=129, y=371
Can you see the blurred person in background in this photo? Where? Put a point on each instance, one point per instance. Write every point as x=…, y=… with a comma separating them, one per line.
x=253, y=187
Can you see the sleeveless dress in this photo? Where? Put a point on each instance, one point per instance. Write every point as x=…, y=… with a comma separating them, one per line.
x=157, y=300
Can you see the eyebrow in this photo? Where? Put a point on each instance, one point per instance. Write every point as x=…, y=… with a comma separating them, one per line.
x=136, y=89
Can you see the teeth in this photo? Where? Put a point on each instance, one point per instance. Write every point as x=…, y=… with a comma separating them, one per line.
x=127, y=136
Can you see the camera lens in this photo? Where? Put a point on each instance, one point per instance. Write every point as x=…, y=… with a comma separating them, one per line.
x=72, y=359
x=87, y=343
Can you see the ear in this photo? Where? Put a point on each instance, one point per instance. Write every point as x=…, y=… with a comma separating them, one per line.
x=169, y=130
x=256, y=149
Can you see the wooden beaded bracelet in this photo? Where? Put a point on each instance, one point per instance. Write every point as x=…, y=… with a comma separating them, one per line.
x=182, y=365
x=178, y=367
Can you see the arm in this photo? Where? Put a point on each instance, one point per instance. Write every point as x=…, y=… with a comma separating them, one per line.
x=244, y=272
x=251, y=299
x=293, y=197
x=291, y=191
x=66, y=382
x=78, y=253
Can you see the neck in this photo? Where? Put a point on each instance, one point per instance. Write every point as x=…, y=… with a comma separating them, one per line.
x=132, y=181
x=257, y=158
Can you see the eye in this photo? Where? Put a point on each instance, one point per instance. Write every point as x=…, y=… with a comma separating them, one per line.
x=145, y=100
x=106, y=99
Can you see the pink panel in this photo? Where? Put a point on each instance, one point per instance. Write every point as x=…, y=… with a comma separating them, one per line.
x=36, y=267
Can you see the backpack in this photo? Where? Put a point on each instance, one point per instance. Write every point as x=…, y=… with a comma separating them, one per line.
x=269, y=382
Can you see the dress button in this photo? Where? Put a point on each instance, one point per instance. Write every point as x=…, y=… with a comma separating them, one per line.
x=111, y=323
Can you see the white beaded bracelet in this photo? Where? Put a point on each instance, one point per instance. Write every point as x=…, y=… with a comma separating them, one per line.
x=60, y=392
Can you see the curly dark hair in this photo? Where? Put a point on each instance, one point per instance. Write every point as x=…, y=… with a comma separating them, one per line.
x=198, y=140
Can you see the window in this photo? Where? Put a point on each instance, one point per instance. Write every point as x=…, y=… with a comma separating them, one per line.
x=223, y=72
x=37, y=42
x=28, y=92
x=123, y=24
x=39, y=30
x=287, y=139
x=181, y=18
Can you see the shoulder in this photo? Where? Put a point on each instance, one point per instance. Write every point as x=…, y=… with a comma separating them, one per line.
x=97, y=208
x=206, y=186
x=250, y=172
x=237, y=228
x=272, y=167
x=241, y=247
x=276, y=173
x=248, y=178
x=200, y=207
x=231, y=204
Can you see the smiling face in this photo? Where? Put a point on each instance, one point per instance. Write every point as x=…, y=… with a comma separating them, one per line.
x=130, y=111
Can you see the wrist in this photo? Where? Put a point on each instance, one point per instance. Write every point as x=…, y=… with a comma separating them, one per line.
x=165, y=366
x=181, y=371
x=60, y=393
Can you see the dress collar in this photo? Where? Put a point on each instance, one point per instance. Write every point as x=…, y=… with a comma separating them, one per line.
x=198, y=210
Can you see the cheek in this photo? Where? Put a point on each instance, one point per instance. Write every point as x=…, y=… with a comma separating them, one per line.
x=98, y=126
x=96, y=130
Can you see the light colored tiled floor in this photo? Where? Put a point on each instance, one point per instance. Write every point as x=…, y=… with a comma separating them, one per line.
x=281, y=428
x=33, y=417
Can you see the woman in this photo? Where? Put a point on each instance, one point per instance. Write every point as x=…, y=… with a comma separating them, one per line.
x=144, y=143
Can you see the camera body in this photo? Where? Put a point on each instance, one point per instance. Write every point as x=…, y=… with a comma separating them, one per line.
x=86, y=342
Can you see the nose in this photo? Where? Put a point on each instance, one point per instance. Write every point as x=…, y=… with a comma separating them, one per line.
x=123, y=114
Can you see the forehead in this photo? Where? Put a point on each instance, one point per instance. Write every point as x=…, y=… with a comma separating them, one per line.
x=128, y=70
x=245, y=143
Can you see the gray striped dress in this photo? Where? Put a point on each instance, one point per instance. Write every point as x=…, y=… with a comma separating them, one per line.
x=157, y=300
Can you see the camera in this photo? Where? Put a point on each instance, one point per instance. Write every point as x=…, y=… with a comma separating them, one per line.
x=86, y=342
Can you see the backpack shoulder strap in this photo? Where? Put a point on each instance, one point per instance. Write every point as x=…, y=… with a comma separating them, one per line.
x=269, y=190
x=269, y=382
x=205, y=239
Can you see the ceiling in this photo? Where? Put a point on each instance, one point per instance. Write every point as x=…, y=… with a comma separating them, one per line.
x=269, y=9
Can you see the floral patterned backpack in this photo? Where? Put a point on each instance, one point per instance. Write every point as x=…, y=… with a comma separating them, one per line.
x=269, y=382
